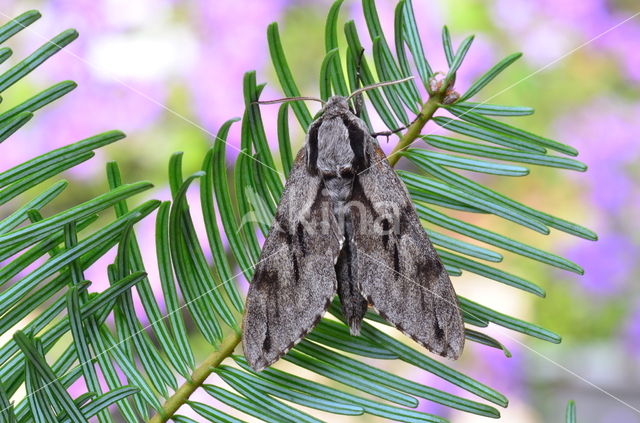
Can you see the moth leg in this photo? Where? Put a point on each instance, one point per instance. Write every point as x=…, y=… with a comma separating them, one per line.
x=395, y=131
x=358, y=100
x=359, y=64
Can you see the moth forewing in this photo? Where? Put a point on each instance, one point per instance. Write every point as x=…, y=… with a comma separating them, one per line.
x=294, y=280
x=400, y=272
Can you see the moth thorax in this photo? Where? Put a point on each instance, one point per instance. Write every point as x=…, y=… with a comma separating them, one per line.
x=338, y=189
x=334, y=147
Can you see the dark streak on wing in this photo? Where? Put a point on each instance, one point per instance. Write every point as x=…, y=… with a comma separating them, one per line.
x=270, y=282
x=439, y=332
x=386, y=226
x=312, y=146
x=396, y=261
x=300, y=235
x=358, y=144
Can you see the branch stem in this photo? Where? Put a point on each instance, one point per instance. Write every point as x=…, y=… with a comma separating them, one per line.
x=413, y=132
x=199, y=375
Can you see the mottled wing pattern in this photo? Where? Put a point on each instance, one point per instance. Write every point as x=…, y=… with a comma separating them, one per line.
x=294, y=280
x=399, y=271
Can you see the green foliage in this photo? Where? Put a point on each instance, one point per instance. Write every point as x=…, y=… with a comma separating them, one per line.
x=571, y=412
x=70, y=340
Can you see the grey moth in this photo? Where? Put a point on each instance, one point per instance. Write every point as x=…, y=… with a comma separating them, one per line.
x=345, y=226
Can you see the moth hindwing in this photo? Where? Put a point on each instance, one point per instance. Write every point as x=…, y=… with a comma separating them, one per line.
x=345, y=225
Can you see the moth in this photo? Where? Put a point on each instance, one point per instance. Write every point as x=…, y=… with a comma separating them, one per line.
x=345, y=225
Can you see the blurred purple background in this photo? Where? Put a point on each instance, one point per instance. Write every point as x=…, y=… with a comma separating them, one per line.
x=169, y=73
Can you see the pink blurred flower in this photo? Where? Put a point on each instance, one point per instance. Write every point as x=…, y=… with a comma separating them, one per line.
x=608, y=264
x=548, y=29
x=605, y=133
x=232, y=41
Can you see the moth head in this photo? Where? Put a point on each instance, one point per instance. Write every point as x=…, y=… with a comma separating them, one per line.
x=336, y=104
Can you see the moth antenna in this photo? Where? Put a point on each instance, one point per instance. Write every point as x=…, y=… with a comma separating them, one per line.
x=288, y=99
x=379, y=84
